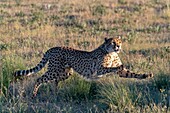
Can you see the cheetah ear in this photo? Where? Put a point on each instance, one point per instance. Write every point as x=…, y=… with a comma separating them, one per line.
x=105, y=39
x=119, y=37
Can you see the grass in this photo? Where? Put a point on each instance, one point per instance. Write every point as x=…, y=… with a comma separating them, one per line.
x=29, y=28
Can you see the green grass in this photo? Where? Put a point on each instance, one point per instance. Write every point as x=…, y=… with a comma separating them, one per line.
x=29, y=28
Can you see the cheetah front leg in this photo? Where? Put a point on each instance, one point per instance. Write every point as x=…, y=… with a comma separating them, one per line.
x=128, y=74
x=105, y=70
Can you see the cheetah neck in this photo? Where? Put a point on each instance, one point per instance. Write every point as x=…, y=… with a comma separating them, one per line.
x=99, y=52
x=103, y=50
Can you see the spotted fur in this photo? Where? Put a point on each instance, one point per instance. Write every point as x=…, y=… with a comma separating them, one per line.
x=90, y=65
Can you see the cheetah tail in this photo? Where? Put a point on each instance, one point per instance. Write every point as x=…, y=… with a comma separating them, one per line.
x=32, y=70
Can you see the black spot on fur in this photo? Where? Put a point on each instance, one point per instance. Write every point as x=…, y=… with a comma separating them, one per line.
x=40, y=66
x=34, y=69
x=132, y=74
x=31, y=70
x=27, y=71
x=16, y=73
x=144, y=76
x=19, y=73
x=37, y=68
x=127, y=75
x=23, y=72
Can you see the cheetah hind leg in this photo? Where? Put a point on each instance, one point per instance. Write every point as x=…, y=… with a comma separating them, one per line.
x=47, y=77
x=51, y=76
x=68, y=72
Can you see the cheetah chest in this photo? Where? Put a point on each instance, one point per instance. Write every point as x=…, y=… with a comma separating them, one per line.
x=112, y=60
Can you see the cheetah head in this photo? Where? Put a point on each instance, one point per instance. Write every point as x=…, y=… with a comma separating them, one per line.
x=112, y=45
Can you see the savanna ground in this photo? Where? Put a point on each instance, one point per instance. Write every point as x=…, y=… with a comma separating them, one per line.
x=29, y=27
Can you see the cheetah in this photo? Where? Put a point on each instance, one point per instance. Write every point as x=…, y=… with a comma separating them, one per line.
x=90, y=65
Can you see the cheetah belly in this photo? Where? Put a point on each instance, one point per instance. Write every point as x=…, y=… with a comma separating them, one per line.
x=86, y=67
